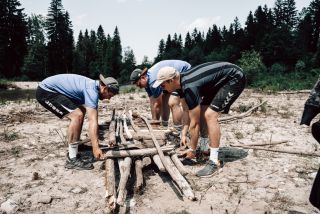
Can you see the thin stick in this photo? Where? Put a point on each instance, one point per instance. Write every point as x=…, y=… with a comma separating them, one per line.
x=242, y=115
x=135, y=128
x=277, y=150
x=262, y=144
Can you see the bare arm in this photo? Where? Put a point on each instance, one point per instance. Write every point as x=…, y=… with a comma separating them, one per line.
x=194, y=115
x=185, y=121
x=93, y=132
x=155, y=105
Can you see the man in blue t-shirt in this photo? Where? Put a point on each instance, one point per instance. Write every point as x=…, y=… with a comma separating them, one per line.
x=161, y=101
x=72, y=96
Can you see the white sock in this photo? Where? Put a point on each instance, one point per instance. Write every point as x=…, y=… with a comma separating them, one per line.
x=73, y=150
x=214, y=154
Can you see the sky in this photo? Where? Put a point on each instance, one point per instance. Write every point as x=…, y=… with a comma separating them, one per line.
x=143, y=23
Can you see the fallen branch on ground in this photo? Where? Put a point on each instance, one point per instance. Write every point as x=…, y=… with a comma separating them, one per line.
x=277, y=150
x=242, y=115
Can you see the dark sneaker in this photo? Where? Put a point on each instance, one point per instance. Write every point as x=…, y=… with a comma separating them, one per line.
x=77, y=163
x=209, y=169
x=86, y=156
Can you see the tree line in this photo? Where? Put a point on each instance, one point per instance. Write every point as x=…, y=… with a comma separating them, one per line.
x=275, y=45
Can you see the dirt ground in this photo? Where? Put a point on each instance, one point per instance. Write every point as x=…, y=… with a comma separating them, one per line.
x=33, y=177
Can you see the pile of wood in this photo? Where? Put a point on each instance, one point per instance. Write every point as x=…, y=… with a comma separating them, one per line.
x=132, y=142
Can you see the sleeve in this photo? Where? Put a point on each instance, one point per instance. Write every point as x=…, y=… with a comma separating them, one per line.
x=154, y=92
x=91, y=98
x=192, y=98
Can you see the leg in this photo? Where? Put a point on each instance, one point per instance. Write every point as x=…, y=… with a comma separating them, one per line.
x=211, y=118
x=174, y=104
x=76, y=121
x=165, y=110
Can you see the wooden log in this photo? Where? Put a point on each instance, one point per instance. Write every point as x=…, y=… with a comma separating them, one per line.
x=157, y=161
x=146, y=136
x=139, y=177
x=110, y=183
x=135, y=152
x=125, y=126
x=277, y=150
x=112, y=133
x=263, y=144
x=118, y=127
x=122, y=138
x=182, y=169
x=125, y=169
x=169, y=166
x=179, y=179
x=135, y=128
x=242, y=115
x=146, y=161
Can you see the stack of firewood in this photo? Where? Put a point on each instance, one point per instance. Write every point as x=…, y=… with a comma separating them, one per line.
x=130, y=137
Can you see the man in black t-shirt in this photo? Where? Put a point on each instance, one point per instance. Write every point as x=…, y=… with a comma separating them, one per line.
x=208, y=89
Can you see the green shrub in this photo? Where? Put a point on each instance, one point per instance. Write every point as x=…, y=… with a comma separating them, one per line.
x=252, y=65
x=278, y=68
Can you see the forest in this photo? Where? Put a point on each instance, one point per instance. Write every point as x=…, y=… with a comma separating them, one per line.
x=277, y=47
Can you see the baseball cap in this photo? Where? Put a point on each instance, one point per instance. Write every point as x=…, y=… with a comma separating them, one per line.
x=164, y=74
x=136, y=74
x=111, y=83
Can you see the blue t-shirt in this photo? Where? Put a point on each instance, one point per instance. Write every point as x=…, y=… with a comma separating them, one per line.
x=82, y=90
x=152, y=73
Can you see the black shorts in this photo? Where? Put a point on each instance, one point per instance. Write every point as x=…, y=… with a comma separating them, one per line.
x=58, y=104
x=222, y=99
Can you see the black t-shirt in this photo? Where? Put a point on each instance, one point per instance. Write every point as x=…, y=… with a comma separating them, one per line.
x=205, y=79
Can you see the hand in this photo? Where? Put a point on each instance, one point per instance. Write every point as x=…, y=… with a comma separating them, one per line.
x=183, y=141
x=97, y=152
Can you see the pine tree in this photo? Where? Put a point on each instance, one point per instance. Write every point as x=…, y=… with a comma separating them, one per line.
x=60, y=39
x=35, y=62
x=161, y=51
x=129, y=64
x=13, y=33
x=116, y=58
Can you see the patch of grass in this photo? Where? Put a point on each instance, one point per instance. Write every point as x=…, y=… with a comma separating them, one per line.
x=8, y=135
x=239, y=135
x=4, y=84
x=258, y=128
x=15, y=151
x=143, y=96
x=127, y=89
x=244, y=108
x=131, y=97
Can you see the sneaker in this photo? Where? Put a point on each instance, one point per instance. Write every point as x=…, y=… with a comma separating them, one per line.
x=210, y=169
x=77, y=163
x=86, y=156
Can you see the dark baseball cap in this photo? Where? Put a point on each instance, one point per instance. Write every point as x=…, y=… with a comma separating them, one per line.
x=136, y=74
x=111, y=83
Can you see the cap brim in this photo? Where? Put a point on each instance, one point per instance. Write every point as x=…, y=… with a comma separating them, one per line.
x=157, y=83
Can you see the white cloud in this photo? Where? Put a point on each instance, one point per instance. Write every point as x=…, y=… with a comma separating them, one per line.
x=202, y=23
x=79, y=19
